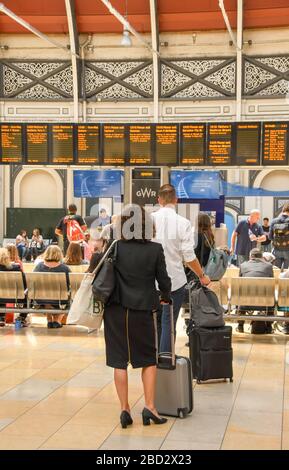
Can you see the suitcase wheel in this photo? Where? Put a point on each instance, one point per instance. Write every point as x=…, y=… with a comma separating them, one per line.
x=182, y=413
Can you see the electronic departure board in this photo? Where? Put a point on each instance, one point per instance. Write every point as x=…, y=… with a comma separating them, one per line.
x=62, y=143
x=37, y=143
x=248, y=138
x=140, y=151
x=166, y=144
x=275, y=143
x=88, y=144
x=11, y=143
x=193, y=144
x=220, y=144
x=113, y=144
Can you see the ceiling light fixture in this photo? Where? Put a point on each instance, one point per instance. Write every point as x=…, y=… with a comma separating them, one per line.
x=126, y=39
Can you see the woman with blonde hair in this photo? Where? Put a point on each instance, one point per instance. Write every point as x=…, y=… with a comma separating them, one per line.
x=7, y=265
x=13, y=255
x=52, y=262
x=74, y=255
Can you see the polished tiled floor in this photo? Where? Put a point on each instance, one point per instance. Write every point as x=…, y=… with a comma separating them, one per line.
x=57, y=393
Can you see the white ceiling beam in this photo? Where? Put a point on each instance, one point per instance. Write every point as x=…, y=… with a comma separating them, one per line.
x=155, y=47
x=74, y=48
x=127, y=25
x=30, y=28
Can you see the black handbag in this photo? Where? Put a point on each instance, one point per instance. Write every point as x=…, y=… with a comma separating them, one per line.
x=104, y=281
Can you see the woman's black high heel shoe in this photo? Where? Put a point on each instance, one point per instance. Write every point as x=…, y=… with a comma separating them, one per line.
x=147, y=415
x=125, y=419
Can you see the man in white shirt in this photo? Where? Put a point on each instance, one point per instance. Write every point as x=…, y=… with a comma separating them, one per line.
x=175, y=234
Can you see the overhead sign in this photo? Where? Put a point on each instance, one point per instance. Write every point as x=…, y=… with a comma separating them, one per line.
x=196, y=184
x=97, y=183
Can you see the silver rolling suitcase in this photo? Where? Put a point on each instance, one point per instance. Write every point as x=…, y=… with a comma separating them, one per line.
x=174, y=387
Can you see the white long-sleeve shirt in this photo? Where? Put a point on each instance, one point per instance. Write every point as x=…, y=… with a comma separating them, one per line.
x=175, y=234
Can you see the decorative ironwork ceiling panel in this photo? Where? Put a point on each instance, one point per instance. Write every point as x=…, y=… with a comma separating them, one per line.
x=266, y=76
x=195, y=78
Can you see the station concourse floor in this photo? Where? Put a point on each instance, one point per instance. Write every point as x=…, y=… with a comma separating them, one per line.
x=57, y=393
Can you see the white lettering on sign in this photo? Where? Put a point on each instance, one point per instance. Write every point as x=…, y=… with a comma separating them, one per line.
x=145, y=192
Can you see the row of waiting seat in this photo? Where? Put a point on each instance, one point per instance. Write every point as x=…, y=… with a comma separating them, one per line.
x=255, y=292
x=80, y=268
x=262, y=294
x=51, y=287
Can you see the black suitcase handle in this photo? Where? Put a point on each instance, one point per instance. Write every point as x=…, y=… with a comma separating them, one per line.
x=172, y=354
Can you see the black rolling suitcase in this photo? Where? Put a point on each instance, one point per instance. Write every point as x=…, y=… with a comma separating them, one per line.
x=211, y=353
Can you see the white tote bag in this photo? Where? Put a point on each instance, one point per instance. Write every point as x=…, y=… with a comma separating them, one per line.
x=85, y=311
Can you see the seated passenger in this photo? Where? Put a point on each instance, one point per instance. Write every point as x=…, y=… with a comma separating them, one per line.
x=74, y=255
x=255, y=267
x=22, y=244
x=36, y=245
x=285, y=329
x=7, y=265
x=13, y=255
x=52, y=262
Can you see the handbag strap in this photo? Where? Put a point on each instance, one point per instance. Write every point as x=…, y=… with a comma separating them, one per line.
x=207, y=240
x=105, y=256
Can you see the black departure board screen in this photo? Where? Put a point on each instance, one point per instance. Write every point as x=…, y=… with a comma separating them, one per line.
x=193, y=144
x=37, y=143
x=113, y=144
x=88, y=144
x=166, y=144
x=11, y=143
x=220, y=144
x=62, y=143
x=275, y=143
x=140, y=144
x=248, y=139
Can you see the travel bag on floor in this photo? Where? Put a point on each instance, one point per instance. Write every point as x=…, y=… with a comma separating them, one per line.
x=211, y=353
x=174, y=388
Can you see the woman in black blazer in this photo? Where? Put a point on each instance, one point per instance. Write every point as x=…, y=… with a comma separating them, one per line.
x=128, y=319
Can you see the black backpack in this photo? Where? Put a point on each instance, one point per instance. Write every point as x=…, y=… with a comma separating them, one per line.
x=281, y=234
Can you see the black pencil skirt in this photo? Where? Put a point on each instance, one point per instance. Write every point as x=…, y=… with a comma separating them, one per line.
x=129, y=337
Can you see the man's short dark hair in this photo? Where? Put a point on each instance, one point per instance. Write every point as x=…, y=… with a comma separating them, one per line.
x=255, y=253
x=72, y=208
x=167, y=193
x=266, y=218
x=102, y=211
x=286, y=207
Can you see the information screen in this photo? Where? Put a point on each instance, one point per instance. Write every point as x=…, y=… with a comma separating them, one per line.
x=62, y=143
x=193, y=144
x=11, y=143
x=114, y=144
x=275, y=143
x=88, y=144
x=140, y=144
x=166, y=142
x=248, y=138
x=37, y=143
x=220, y=144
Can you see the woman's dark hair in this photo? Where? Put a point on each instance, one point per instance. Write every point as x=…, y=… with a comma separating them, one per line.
x=23, y=231
x=205, y=227
x=73, y=254
x=94, y=260
x=136, y=224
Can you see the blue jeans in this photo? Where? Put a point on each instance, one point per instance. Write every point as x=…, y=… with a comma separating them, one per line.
x=165, y=335
x=282, y=258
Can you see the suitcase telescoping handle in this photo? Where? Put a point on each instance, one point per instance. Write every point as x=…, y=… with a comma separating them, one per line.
x=171, y=356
